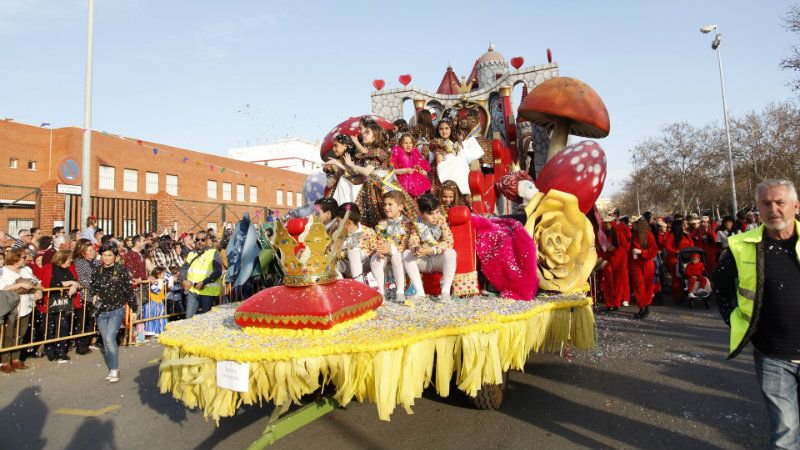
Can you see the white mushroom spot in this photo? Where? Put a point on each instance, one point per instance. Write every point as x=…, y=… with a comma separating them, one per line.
x=584, y=154
x=574, y=160
x=595, y=153
x=590, y=169
x=354, y=124
x=578, y=148
x=597, y=168
x=580, y=167
x=595, y=181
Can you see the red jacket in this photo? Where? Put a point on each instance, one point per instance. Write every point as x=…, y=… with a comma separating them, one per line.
x=47, y=277
x=695, y=269
x=672, y=249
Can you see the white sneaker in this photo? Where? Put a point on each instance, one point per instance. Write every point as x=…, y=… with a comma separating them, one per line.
x=691, y=295
x=113, y=376
x=625, y=303
x=445, y=298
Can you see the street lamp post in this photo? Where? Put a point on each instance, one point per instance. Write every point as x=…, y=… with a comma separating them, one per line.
x=715, y=46
x=86, y=155
x=636, y=182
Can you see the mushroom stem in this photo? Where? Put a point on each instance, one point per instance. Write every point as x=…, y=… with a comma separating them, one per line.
x=558, y=139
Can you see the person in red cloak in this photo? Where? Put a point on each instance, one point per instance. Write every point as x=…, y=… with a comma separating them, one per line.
x=679, y=239
x=621, y=262
x=644, y=252
x=612, y=254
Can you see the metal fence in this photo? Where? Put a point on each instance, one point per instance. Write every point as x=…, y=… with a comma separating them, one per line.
x=118, y=216
x=41, y=328
x=20, y=208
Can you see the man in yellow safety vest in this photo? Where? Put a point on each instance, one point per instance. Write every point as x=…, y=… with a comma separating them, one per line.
x=757, y=286
x=201, y=276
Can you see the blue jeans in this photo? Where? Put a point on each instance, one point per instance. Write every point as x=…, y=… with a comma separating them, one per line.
x=108, y=323
x=197, y=304
x=778, y=380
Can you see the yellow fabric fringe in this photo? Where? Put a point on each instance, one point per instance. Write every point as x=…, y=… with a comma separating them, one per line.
x=391, y=374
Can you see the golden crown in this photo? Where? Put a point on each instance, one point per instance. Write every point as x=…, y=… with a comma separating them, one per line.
x=313, y=262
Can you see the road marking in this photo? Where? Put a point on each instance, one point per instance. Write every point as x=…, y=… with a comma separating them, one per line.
x=87, y=412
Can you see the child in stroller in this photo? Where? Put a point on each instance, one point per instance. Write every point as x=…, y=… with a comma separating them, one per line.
x=692, y=270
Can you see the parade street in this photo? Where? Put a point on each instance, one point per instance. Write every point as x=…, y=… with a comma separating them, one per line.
x=662, y=382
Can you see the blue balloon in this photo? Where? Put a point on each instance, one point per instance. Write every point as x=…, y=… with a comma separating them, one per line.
x=314, y=186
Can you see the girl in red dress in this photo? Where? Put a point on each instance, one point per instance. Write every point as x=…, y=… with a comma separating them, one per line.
x=679, y=239
x=644, y=251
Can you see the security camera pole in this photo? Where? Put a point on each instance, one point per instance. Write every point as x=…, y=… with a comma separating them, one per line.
x=86, y=155
x=715, y=46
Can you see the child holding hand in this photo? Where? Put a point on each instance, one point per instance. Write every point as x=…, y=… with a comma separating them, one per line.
x=359, y=245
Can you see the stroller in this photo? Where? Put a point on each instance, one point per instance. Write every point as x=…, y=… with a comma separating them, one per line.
x=704, y=293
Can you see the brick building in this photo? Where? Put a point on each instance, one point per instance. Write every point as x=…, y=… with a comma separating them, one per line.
x=136, y=185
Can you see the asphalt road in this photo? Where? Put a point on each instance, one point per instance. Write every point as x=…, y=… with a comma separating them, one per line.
x=660, y=383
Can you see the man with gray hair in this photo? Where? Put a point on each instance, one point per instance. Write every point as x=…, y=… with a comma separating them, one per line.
x=757, y=285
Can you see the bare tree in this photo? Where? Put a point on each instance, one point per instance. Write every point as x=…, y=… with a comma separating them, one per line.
x=793, y=62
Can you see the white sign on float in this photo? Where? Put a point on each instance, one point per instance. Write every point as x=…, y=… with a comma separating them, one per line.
x=234, y=376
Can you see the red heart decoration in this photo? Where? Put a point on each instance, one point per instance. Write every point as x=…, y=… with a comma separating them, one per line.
x=579, y=169
x=378, y=84
x=405, y=79
x=517, y=61
x=549, y=56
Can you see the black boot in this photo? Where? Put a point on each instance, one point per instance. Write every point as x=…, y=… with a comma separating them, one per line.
x=639, y=314
x=645, y=312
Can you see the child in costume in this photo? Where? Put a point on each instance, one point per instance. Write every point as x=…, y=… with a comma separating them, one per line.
x=694, y=273
x=341, y=185
x=358, y=247
x=410, y=167
x=395, y=234
x=155, y=307
x=435, y=252
x=449, y=196
x=371, y=162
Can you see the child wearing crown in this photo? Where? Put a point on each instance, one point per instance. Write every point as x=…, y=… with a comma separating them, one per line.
x=395, y=234
x=358, y=246
x=435, y=251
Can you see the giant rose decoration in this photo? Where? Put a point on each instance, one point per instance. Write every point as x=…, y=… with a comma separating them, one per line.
x=564, y=241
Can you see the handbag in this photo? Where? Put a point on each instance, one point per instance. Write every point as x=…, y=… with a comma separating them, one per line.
x=59, y=303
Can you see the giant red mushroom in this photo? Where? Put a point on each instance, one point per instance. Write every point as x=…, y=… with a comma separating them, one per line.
x=567, y=106
x=350, y=128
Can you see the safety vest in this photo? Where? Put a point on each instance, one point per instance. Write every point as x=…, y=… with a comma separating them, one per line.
x=200, y=267
x=744, y=248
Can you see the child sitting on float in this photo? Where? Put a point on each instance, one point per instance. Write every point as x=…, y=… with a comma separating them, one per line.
x=449, y=196
x=327, y=208
x=395, y=234
x=341, y=185
x=410, y=167
x=358, y=246
x=435, y=252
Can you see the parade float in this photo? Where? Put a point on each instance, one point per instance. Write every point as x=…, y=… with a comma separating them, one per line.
x=317, y=333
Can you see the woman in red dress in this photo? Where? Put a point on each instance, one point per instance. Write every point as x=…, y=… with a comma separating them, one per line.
x=644, y=251
x=678, y=239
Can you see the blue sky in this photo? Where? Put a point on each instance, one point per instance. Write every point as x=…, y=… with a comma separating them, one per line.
x=210, y=75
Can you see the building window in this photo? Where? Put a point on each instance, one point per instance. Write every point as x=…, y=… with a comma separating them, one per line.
x=299, y=199
x=172, y=185
x=13, y=163
x=253, y=194
x=129, y=227
x=31, y=165
x=212, y=225
x=289, y=198
x=226, y=191
x=14, y=225
x=106, y=178
x=130, y=180
x=212, y=189
x=240, y=193
x=279, y=198
x=151, y=183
